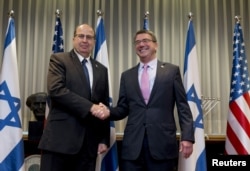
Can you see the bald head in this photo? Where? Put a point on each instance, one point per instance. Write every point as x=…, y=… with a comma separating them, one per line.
x=83, y=26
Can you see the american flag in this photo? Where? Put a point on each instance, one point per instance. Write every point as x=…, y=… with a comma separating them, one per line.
x=57, y=47
x=238, y=121
x=58, y=37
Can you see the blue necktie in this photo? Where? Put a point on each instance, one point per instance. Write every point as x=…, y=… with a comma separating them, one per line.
x=86, y=72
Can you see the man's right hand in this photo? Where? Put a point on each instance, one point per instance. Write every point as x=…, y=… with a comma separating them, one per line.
x=100, y=111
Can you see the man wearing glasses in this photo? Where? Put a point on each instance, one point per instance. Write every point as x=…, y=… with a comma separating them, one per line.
x=76, y=83
x=148, y=94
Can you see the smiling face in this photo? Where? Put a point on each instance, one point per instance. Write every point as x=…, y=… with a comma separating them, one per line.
x=84, y=40
x=145, y=46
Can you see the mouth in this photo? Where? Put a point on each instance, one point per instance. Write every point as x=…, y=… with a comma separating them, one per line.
x=84, y=47
x=143, y=50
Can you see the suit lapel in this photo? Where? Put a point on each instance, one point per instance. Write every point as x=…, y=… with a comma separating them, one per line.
x=134, y=77
x=96, y=71
x=135, y=81
x=78, y=66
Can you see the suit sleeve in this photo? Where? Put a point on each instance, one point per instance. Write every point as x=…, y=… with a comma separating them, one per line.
x=121, y=110
x=106, y=123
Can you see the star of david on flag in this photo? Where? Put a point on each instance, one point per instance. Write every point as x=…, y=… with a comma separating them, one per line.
x=197, y=161
x=11, y=133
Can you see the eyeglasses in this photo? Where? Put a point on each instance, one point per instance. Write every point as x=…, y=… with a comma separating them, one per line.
x=137, y=42
x=81, y=36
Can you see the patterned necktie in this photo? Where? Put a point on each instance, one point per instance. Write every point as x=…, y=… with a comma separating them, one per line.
x=86, y=72
x=145, y=84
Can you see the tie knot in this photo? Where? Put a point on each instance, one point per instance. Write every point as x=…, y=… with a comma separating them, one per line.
x=145, y=67
x=84, y=61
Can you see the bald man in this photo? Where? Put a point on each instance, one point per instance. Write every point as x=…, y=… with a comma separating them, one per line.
x=72, y=137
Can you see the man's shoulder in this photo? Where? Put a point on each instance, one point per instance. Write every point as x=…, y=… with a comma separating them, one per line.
x=98, y=64
x=131, y=70
x=62, y=54
x=63, y=57
x=167, y=65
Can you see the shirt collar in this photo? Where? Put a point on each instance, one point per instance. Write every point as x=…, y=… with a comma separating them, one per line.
x=80, y=57
x=152, y=64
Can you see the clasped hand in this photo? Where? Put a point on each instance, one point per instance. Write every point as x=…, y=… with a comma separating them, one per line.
x=100, y=111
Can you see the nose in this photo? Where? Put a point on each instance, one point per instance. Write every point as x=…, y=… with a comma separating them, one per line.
x=140, y=43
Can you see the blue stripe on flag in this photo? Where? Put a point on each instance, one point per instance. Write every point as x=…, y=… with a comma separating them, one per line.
x=190, y=43
x=100, y=37
x=201, y=162
x=112, y=124
x=109, y=162
x=10, y=35
x=14, y=160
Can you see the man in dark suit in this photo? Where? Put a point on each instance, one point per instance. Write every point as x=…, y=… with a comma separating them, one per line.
x=73, y=137
x=149, y=142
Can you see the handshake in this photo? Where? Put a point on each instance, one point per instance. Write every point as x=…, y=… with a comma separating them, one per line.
x=100, y=111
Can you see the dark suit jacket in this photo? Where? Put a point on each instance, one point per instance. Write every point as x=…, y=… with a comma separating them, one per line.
x=69, y=121
x=156, y=117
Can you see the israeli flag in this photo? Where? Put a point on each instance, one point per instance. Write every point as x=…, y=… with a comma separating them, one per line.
x=197, y=161
x=109, y=160
x=11, y=142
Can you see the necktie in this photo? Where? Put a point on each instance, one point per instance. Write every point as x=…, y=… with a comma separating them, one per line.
x=85, y=69
x=145, y=84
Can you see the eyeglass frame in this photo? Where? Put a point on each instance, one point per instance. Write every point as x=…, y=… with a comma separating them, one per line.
x=81, y=36
x=137, y=42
